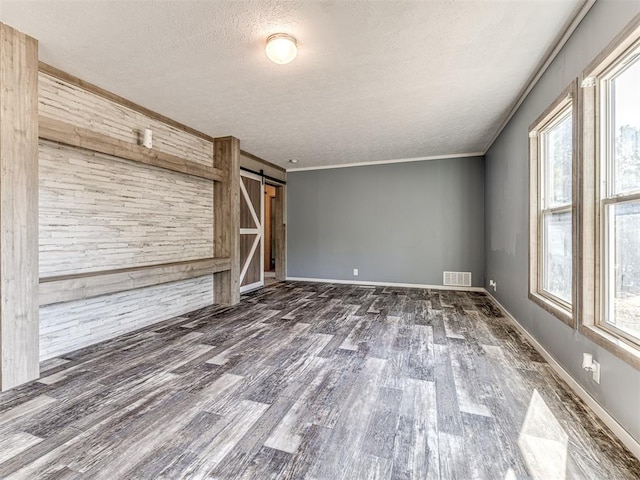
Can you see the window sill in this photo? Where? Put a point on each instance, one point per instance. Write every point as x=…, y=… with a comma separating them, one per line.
x=616, y=345
x=553, y=308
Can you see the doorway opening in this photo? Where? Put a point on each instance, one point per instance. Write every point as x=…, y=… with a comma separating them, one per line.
x=270, y=192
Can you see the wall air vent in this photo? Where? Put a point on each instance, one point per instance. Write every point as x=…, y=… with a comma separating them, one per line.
x=457, y=279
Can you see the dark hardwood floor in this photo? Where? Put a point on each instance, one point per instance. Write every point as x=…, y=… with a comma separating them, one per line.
x=310, y=381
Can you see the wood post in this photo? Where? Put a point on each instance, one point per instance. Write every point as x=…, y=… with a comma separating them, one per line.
x=19, y=316
x=226, y=219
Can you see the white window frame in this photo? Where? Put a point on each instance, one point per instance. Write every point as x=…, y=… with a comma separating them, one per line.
x=595, y=175
x=564, y=105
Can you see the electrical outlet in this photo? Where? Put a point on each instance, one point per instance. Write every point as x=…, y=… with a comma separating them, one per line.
x=494, y=285
x=590, y=365
x=596, y=372
x=355, y=272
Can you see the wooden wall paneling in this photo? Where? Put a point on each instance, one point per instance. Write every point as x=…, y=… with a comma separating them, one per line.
x=19, y=324
x=99, y=213
x=66, y=327
x=76, y=287
x=68, y=134
x=84, y=105
x=226, y=230
x=281, y=233
x=132, y=228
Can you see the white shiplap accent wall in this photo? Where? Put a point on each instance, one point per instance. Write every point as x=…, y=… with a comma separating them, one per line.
x=62, y=101
x=100, y=213
x=65, y=327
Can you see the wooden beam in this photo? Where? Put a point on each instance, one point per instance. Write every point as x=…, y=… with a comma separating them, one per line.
x=62, y=132
x=226, y=221
x=19, y=319
x=67, y=288
x=90, y=87
x=261, y=160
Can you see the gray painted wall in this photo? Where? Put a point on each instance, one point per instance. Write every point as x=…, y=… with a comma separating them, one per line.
x=506, y=202
x=396, y=223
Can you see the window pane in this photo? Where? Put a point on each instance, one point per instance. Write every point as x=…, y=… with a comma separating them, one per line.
x=625, y=105
x=624, y=263
x=557, y=163
x=556, y=273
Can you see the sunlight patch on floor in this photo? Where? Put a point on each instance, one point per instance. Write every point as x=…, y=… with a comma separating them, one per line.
x=543, y=442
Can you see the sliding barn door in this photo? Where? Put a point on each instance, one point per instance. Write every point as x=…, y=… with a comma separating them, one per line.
x=251, y=232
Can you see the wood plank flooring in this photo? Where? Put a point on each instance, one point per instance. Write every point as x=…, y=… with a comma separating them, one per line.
x=310, y=381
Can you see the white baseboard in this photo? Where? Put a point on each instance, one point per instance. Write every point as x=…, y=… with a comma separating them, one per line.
x=386, y=284
x=618, y=430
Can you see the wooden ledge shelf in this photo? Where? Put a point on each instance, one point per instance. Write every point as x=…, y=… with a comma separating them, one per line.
x=65, y=133
x=67, y=288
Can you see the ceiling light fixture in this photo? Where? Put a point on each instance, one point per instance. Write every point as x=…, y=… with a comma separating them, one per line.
x=281, y=48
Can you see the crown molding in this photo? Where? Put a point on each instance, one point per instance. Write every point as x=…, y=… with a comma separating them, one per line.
x=386, y=162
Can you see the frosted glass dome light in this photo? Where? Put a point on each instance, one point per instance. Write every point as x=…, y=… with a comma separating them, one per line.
x=281, y=48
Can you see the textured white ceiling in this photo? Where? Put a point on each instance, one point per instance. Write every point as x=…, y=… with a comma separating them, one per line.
x=373, y=80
